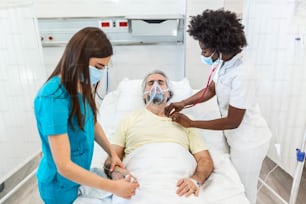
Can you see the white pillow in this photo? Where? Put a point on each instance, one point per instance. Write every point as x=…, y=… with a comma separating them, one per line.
x=181, y=90
x=107, y=112
x=131, y=95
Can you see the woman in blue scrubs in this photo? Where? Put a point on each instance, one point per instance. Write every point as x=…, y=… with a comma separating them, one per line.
x=66, y=116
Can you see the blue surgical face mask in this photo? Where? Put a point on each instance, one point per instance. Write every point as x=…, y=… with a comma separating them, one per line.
x=207, y=60
x=95, y=74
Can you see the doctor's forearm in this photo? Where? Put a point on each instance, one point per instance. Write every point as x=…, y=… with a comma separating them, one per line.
x=101, y=139
x=80, y=175
x=195, y=98
x=217, y=124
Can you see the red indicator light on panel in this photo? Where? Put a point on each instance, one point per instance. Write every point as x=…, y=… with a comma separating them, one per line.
x=123, y=24
x=105, y=24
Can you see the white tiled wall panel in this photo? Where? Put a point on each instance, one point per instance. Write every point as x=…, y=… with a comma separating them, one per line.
x=21, y=73
x=234, y=5
x=280, y=60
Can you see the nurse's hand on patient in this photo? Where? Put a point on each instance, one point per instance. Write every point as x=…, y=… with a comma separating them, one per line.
x=115, y=161
x=173, y=108
x=181, y=119
x=125, y=188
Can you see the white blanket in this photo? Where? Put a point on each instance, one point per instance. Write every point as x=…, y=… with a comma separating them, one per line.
x=159, y=166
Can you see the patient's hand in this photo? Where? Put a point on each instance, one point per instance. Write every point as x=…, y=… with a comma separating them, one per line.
x=121, y=173
x=186, y=187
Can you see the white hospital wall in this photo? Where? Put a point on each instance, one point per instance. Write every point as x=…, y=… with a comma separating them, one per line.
x=21, y=73
x=272, y=29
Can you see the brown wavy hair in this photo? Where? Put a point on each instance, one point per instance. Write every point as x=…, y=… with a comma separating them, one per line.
x=74, y=63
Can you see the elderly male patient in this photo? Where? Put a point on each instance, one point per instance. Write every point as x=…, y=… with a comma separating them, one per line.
x=170, y=162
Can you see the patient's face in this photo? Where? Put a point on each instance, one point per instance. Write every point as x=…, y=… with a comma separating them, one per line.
x=161, y=80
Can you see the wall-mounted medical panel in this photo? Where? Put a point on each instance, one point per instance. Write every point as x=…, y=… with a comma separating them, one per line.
x=120, y=30
x=155, y=25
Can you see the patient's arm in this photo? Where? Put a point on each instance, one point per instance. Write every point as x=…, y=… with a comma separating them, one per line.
x=186, y=186
x=119, y=172
x=204, y=166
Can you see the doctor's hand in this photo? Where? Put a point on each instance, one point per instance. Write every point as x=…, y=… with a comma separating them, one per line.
x=173, y=108
x=115, y=161
x=186, y=187
x=125, y=188
x=181, y=119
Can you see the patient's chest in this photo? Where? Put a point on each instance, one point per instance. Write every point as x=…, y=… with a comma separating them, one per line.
x=149, y=128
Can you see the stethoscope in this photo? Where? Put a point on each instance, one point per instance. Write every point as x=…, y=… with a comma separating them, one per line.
x=214, y=67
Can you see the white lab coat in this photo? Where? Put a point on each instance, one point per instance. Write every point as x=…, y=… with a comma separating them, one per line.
x=235, y=84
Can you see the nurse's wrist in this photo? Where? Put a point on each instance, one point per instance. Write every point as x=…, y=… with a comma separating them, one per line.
x=184, y=102
x=191, y=124
x=108, y=185
x=113, y=155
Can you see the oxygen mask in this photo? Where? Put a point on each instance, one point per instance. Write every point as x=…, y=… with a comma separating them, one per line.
x=155, y=94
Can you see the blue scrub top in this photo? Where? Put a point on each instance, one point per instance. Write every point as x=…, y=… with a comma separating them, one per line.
x=52, y=107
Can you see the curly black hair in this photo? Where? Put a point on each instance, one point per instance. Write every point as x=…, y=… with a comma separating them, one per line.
x=218, y=30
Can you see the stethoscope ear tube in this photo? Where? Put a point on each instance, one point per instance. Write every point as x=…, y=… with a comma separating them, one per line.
x=205, y=89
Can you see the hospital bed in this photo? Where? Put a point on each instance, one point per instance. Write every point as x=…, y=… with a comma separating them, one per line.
x=223, y=186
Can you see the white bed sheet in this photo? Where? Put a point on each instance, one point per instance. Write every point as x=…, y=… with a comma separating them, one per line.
x=223, y=186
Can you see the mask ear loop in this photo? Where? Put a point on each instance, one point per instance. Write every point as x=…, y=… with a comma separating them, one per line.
x=214, y=67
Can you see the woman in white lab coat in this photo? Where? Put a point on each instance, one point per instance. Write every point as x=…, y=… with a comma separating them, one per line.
x=221, y=39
